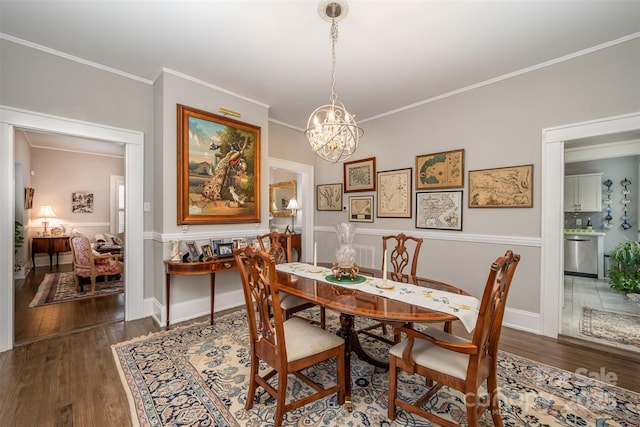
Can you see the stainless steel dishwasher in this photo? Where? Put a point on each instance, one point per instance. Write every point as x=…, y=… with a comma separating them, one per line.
x=581, y=255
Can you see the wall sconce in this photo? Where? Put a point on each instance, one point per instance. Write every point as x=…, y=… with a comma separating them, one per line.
x=45, y=213
x=293, y=206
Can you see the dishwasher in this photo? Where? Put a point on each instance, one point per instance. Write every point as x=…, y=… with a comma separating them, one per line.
x=581, y=255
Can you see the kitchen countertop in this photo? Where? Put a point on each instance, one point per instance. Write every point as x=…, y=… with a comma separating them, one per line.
x=583, y=232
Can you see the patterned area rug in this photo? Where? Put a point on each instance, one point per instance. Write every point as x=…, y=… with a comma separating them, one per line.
x=620, y=329
x=59, y=287
x=197, y=375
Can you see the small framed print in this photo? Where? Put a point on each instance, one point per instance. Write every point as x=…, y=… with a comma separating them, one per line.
x=194, y=255
x=440, y=170
x=207, y=252
x=360, y=175
x=441, y=210
x=394, y=194
x=361, y=209
x=329, y=197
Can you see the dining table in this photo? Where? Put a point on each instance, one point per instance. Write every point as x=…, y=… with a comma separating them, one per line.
x=398, y=304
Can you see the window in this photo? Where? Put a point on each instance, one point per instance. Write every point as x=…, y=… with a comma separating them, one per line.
x=117, y=204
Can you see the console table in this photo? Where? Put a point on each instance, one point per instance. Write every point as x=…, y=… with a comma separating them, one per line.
x=50, y=245
x=195, y=268
x=292, y=242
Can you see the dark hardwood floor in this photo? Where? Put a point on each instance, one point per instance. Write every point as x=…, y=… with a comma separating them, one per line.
x=63, y=373
x=37, y=323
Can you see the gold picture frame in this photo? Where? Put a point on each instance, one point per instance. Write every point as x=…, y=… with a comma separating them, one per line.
x=440, y=170
x=394, y=193
x=507, y=187
x=360, y=175
x=218, y=169
x=279, y=196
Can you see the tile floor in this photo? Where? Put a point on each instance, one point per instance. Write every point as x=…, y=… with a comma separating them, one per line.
x=594, y=293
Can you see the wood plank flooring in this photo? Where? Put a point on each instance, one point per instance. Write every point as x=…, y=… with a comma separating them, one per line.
x=36, y=323
x=71, y=379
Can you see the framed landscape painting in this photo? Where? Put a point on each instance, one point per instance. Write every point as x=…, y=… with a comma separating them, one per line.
x=441, y=210
x=508, y=187
x=360, y=175
x=218, y=169
x=440, y=170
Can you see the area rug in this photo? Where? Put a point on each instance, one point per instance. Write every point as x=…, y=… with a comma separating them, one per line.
x=60, y=287
x=197, y=376
x=619, y=329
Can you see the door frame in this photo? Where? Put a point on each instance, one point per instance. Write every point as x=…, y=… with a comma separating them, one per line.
x=14, y=118
x=552, y=257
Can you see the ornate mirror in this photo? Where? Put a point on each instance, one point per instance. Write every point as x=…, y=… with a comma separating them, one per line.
x=279, y=196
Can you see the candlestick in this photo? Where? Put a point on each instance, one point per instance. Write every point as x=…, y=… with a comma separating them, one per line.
x=315, y=254
x=384, y=266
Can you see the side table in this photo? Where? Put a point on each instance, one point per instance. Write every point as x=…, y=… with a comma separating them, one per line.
x=50, y=245
x=190, y=269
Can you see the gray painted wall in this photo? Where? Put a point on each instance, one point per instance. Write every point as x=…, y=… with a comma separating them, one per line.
x=497, y=125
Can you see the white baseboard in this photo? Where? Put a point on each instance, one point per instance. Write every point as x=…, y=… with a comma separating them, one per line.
x=192, y=309
x=523, y=320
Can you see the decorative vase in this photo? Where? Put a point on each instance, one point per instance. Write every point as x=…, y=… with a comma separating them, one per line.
x=175, y=250
x=346, y=253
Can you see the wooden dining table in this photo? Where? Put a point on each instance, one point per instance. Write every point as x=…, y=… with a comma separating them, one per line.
x=351, y=303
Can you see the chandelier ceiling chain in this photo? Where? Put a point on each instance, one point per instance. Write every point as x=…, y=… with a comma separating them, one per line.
x=331, y=130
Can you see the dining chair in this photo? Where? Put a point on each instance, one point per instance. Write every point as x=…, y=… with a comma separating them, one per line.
x=89, y=263
x=287, y=346
x=449, y=360
x=404, y=251
x=289, y=304
x=433, y=284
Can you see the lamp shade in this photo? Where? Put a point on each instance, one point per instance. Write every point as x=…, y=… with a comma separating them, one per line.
x=293, y=205
x=46, y=212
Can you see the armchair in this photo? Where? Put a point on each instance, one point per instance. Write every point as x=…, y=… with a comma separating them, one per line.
x=88, y=263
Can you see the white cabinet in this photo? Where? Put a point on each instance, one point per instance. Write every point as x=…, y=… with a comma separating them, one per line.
x=583, y=193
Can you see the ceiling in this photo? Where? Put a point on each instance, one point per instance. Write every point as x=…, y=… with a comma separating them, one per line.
x=390, y=54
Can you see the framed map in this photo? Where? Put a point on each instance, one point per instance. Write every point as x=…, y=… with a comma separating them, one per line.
x=394, y=193
x=360, y=175
x=361, y=209
x=440, y=170
x=509, y=187
x=329, y=197
x=439, y=209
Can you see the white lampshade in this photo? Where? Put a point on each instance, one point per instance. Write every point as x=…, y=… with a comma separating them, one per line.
x=293, y=205
x=46, y=212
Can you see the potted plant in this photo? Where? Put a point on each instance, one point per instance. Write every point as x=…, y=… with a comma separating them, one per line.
x=625, y=273
x=18, y=241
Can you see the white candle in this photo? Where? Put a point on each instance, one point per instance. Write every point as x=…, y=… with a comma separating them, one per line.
x=315, y=254
x=384, y=266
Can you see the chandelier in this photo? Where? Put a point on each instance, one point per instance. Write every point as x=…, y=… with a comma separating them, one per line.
x=331, y=130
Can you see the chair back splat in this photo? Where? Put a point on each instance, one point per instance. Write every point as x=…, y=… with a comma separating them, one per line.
x=460, y=364
x=287, y=346
x=273, y=243
x=401, y=256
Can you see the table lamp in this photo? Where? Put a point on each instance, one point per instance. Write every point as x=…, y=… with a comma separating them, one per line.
x=293, y=206
x=45, y=213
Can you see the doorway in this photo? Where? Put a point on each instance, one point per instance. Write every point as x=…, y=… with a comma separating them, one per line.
x=552, y=268
x=134, y=165
x=57, y=166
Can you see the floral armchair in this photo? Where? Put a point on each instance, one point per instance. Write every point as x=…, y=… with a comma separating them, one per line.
x=88, y=263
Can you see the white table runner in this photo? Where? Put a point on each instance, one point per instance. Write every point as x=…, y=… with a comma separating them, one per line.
x=463, y=307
